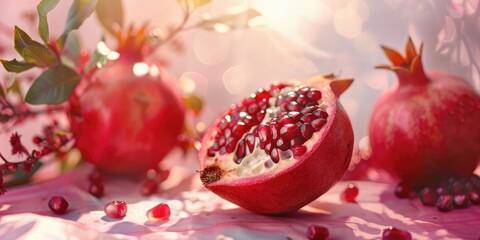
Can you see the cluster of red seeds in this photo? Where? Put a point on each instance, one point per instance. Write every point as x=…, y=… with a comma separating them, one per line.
x=448, y=195
x=299, y=117
x=240, y=119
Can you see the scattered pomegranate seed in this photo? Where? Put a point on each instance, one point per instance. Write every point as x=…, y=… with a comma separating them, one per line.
x=116, y=209
x=149, y=187
x=445, y=203
x=95, y=177
x=316, y=232
x=428, y=196
x=96, y=189
x=404, y=190
x=58, y=205
x=350, y=193
x=160, y=212
x=395, y=234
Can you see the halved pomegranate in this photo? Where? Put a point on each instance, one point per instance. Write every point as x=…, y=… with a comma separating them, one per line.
x=280, y=148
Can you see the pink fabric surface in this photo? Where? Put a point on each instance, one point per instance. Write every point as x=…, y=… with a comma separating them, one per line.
x=199, y=214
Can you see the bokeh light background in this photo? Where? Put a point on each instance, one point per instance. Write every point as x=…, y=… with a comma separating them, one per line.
x=300, y=39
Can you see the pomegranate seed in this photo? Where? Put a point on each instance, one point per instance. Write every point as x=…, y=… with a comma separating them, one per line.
x=404, y=190
x=304, y=90
x=309, y=109
x=37, y=140
x=296, y=142
x=116, y=209
x=241, y=151
x=253, y=108
x=161, y=212
x=456, y=187
x=283, y=145
x=320, y=113
x=230, y=145
x=461, y=201
x=275, y=129
x=475, y=198
x=250, y=140
x=307, y=130
x=289, y=130
x=299, y=150
x=58, y=205
x=350, y=193
x=294, y=106
x=95, y=177
x=149, y=187
x=275, y=155
x=318, y=123
x=445, y=203
x=295, y=115
x=96, y=189
x=262, y=95
x=260, y=116
x=302, y=100
x=211, y=152
x=285, y=119
x=307, y=118
x=428, y=197
x=264, y=133
x=314, y=95
x=316, y=232
x=239, y=129
x=395, y=234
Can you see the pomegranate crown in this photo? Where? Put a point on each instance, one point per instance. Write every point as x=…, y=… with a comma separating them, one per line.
x=131, y=44
x=407, y=66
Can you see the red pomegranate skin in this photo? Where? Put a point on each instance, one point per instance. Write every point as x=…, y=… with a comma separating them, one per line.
x=125, y=124
x=426, y=127
x=313, y=173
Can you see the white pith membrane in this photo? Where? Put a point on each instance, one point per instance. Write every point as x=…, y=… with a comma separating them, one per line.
x=258, y=161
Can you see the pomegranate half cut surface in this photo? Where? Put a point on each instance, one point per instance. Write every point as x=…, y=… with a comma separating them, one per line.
x=281, y=148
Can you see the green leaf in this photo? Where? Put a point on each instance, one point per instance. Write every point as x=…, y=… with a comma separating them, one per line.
x=53, y=86
x=43, y=8
x=21, y=40
x=14, y=86
x=78, y=12
x=230, y=21
x=39, y=55
x=110, y=14
x=73, y=46
x=16, y=66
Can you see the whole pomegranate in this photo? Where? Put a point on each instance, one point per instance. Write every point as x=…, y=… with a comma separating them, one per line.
x=426, y=127
x=129, y=116
x=281, y=148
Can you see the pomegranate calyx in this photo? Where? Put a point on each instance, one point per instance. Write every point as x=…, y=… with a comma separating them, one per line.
x=339, y=86
x=409, y=69
x=131, y=44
